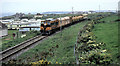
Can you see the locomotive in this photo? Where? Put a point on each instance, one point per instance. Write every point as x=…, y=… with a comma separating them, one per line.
x=49, y=26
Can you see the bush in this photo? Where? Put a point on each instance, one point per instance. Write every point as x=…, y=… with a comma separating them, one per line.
x=88, y=50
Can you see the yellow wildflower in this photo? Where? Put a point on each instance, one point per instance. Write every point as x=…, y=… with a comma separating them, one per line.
x=103, y=50
x=42, y=60
x=56, y=62
x=48, y=62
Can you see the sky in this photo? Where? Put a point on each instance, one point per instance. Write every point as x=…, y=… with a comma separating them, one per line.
x=28, y=6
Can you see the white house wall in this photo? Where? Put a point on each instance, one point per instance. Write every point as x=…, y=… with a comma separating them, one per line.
x=3, y=32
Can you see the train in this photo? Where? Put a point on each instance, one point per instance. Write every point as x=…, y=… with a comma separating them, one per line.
x=49, y=26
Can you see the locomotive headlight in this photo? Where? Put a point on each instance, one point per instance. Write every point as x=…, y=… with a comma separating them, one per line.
x=45, y=24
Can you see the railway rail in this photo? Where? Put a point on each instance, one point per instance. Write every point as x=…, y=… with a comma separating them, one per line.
x=6, y=54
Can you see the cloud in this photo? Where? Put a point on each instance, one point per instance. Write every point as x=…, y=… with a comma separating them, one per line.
x=56, y=5
x=59, y=1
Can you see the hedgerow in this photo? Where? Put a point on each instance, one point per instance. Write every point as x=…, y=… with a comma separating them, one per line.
x=87, y=49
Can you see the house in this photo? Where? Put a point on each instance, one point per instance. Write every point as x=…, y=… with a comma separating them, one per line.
x=17, y=16
x=33, y=25
x=24, y=20
x=38, y=15
x=91, y=12
x=3, y=30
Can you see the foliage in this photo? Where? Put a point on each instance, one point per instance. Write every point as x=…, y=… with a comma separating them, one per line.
x=52, y=48
x=59, y=47
x=7, y=17
x=89, y=51
x=28, y=16
x=108, y=33
x=44, y=62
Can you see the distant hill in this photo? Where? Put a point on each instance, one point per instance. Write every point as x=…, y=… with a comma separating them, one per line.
x=53, y=12
x=6, y=14
x=56, y=12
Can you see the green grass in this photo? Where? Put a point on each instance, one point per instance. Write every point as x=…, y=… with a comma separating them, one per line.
x=10, y=32
x=93, y=16
x=63, y=54
x=111, y=18
x=105, y=32
x=12, y=42
x=108, y=33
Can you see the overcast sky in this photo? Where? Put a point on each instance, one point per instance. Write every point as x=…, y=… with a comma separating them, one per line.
x=26, y=6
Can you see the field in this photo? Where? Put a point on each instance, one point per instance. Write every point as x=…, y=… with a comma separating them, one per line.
x=8, y=41
x=9, y=37
x=56, y=48
x=108, y=33
x=59, y=48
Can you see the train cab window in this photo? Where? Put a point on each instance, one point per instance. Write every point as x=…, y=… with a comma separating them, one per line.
x=42, y=22
x=56, y=23
x=48, y=23
x=45, y=22
x=52, y=23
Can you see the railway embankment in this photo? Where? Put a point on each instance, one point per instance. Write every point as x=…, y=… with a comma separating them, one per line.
x=97, y=42
x=8, y=41
x=89, y=49
x=57, y=48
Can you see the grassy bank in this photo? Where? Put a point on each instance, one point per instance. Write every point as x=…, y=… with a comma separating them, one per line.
x=9, y=37
x=8, y=41
x=56, y=48
x=60, y=48
x=108, y=33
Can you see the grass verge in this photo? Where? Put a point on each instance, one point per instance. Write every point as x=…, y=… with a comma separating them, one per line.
x=12, y=42
x=108, y=33
x=55, y=48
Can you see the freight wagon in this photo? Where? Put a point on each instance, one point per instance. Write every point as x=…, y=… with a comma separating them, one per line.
x=49, y=26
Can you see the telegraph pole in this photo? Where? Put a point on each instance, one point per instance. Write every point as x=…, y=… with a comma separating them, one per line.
x=60, y=25
x=116, y=10
x=72, y=10
x=119, y=9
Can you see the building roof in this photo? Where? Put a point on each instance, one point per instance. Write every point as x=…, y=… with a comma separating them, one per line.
x=30, y=27
x=2, y=26
x=39, y=14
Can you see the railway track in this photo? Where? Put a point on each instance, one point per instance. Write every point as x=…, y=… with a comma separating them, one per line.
x=6, y=54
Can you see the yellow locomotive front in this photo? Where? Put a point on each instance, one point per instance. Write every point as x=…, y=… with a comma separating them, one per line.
x=48, y=26
x=45, y=27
